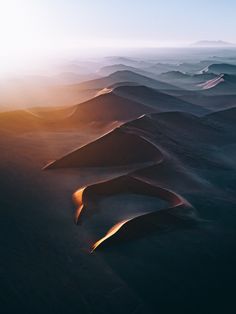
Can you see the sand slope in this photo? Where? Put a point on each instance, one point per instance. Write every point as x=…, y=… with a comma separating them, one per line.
x=156, y=144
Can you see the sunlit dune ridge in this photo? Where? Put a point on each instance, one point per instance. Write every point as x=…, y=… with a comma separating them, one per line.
x=178, y=208
x=104, y=91
x=123, y=146
x=109, y=234
x=137, y=147
x=212, y=83
x=133, y=141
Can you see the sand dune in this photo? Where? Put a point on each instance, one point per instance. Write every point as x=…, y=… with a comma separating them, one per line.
x=144, y=143
x=157, y=100
x=108, y=107
x=153, y=191
x=156, y=150
x=108, y=70
x=100, y=111
x=125, y=76
x=225, y=84
x=169, y=128
x=211, y=102
x=224, y=117
x=212, y=83
x=179, y=210
x=117, y=148
x=19, y=120
x=222, y=68
x=186, y=80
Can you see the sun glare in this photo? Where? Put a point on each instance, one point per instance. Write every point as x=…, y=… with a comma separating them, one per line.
x=22, y=33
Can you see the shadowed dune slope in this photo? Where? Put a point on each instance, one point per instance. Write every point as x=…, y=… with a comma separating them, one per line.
x=185, y=80
x=158, y=100
x=117, y=148
x=125, y=76
x=175, y=76
x=169, y=150
x=108, y=70
x=170, y=128
x=224, y=117
x=142, y=140
x=108, y=107
x=222, y=68
x=212, y=102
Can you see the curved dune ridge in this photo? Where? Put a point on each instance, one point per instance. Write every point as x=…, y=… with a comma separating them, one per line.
x=212, y=83
x=123, y=146
x=133, y=146
x=179, y=211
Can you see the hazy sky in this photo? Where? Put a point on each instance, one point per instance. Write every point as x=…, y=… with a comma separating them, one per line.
x=29, y=27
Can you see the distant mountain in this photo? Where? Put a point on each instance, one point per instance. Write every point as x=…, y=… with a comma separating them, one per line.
x=212, y=43
x=157, y=100
x=125, y=76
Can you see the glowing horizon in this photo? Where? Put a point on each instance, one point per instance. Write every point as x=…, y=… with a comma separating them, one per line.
x=33, y=28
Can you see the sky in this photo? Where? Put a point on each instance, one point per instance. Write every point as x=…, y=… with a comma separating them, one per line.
x=34, y=27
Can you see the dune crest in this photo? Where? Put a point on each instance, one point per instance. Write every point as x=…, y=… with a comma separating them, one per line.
x=129, y=145
x=179, y=210
x=212, y=83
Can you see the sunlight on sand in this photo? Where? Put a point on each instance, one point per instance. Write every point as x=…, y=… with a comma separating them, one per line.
x=110, y=233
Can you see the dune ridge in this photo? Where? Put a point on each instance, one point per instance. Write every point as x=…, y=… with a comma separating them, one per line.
x=212, y=83
x=135, y=142
x=122, y=141
x=179, y=210
x=139, y=145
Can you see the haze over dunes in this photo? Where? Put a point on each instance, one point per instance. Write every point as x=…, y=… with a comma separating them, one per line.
x=117, y=157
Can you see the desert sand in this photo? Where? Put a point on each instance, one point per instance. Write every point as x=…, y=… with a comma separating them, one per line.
x=124, y=203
